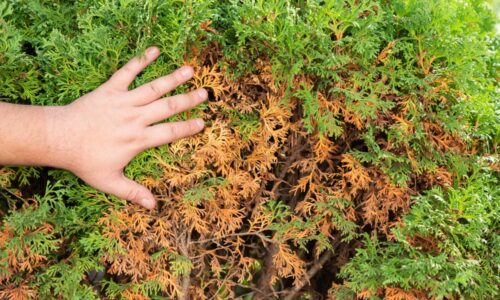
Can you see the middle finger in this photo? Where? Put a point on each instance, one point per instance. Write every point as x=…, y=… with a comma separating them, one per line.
x=164, y=108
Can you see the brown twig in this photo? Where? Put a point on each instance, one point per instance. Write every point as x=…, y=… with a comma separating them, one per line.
x=268, y=272
x=318, y=265
x=257, y=233
x=186, y=278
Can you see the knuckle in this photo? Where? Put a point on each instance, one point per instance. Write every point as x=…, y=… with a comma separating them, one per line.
x=132, y=194
x=193, y=97
x=110, y=93
x=140, y=138
x=177, y=78
x=191, y=126
x=199, y=93
x=127, y=69
x=130, y=117
x=155, y=90
x=129, y=139
x=107, y=91
x=133, y=137
x=174, y=130
x=172, y=105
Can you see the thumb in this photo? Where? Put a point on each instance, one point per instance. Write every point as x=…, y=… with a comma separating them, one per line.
x=127, y=189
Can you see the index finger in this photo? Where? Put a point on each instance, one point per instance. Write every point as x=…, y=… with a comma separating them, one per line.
x=153, y=90
x=122, y=78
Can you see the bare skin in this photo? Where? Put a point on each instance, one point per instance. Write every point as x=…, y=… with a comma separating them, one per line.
x=98, y=134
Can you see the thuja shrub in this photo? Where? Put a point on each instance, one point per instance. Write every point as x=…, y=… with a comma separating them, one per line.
x=450, y=238
x=350, y=152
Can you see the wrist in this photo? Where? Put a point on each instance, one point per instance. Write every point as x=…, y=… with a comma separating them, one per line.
x=60, y=138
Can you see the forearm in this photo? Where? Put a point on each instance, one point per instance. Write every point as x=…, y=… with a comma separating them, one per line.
x=25, y=134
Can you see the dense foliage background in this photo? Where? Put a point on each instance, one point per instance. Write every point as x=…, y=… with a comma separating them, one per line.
x=351, y=151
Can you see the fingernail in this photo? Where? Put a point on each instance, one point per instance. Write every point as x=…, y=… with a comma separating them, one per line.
x=147, y=203
x=186, y=72
x=200, y=123
x=151, y=51
x=202, y=93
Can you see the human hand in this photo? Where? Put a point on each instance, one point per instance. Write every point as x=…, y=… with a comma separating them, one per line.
x=106, y=128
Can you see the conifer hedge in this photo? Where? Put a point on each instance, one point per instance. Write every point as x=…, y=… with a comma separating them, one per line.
x=350, y=152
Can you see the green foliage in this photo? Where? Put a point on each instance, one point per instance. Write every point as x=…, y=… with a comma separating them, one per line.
x=180, y=265
x=447, y=245
x=36, y=240
x=19, y=79
x=203, y=191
